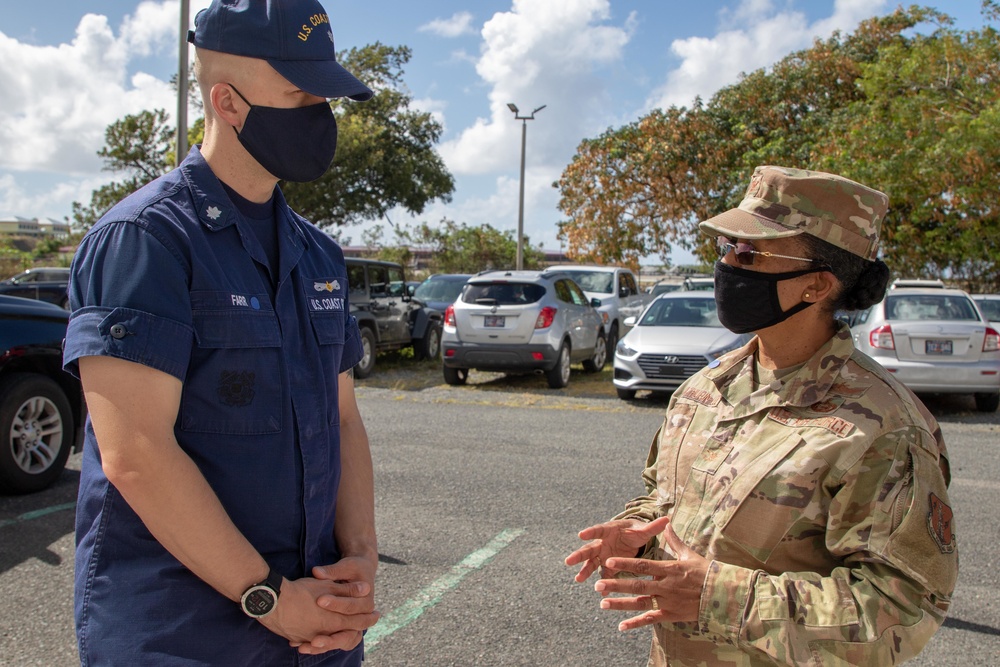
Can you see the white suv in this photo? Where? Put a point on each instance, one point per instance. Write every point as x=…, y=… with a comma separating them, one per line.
x=517, y=321
x=618, y=291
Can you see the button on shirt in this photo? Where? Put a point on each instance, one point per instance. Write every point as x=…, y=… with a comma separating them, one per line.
x=170, y=278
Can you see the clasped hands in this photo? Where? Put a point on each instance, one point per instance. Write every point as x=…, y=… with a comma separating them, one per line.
x=673, y=591
x=328, y=611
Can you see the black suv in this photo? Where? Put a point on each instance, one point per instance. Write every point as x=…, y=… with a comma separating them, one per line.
x=42, y=283
x=41, y=406
x=389, y=318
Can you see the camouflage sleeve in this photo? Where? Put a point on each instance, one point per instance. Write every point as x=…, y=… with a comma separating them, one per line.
x=890, y=527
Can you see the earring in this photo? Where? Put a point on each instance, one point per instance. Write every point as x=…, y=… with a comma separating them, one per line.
x=806, y=295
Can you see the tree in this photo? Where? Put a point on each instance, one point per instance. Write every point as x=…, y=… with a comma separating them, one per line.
x=459, y=248
x=385, y=152
x=911, y=114
x=138, y=145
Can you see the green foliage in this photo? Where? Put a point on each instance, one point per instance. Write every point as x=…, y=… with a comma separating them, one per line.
x=459, y=248
x=385, y=150
x=912, y=114
x=141, y=147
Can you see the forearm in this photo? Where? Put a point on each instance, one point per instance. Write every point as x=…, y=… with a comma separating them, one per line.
x=355, y=518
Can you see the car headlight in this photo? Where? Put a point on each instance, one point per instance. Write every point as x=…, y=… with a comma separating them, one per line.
x=622, y=349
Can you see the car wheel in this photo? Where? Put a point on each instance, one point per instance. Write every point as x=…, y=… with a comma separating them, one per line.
x=558, y=377
x=365, y=367
x=429, y=347
x=987, y=402
x=36, y=432
x=596, y=363
x=625, y=394
x=612, y=340
x=456, y=376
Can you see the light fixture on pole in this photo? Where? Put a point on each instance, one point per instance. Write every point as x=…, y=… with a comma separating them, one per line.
x=520, y=208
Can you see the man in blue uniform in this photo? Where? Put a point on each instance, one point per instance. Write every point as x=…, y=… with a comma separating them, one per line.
x=226, y=511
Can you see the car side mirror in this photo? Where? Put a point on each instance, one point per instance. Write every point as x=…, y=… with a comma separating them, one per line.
x=630, y=321
x=595, y=302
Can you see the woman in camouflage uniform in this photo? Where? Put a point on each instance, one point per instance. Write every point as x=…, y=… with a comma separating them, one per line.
x=797, y=509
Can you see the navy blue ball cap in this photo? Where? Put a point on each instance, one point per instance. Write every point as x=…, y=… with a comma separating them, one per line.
x=293, y=36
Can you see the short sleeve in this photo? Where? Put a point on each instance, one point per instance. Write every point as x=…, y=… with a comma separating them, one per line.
x=129, y=298
x=352, y=345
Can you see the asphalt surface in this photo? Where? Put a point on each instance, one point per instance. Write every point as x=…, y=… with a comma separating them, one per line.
x=479, y=498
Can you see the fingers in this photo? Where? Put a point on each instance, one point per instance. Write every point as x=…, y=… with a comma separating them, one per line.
x=643, y=620
x=638, y=603
x=681, y=550
x=344, y=641
x=346, y=605
x=654, y=528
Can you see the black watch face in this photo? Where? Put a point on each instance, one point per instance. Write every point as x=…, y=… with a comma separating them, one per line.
x=259, y=601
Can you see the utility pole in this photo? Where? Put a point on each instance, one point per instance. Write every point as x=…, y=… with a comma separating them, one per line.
x=520, y=207
x=182, y=84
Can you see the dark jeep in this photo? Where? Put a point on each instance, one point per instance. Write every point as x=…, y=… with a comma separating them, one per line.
x=389, y=318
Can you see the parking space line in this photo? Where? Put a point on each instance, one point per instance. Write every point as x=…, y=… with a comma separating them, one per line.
x=413, y=608
x=37, y=514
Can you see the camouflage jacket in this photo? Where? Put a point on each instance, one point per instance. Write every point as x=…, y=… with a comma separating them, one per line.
x=822, y=501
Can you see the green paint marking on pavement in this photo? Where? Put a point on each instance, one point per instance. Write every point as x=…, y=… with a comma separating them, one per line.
x=37, y=514
x=413, y=608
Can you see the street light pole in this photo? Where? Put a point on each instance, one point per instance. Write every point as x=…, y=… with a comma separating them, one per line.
x=520, y=207
x=182, y=86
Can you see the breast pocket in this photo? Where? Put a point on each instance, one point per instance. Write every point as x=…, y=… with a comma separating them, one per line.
x=765, y=497
x=234, y=383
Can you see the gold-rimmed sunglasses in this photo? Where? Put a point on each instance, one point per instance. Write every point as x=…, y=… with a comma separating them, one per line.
x=745, y=252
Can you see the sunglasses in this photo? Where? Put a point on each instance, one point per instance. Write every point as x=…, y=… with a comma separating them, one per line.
x=745, y=252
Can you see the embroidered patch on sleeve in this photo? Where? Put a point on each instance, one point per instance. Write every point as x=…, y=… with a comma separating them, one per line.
x=939, y=524
x=833, y=424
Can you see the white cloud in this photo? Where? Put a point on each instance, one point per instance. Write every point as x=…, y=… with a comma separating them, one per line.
x=539, y=52
x=456, y=26
x=755, y=36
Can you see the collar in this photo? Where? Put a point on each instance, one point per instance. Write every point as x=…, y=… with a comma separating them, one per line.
x=808, y=385
x=215, y=210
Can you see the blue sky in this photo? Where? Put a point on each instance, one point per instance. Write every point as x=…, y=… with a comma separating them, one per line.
x=71, y=68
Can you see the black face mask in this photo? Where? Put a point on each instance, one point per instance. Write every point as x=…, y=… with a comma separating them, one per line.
x=748, y=300
x=296, y=144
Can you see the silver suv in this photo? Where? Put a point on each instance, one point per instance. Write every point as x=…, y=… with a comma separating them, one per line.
x=517, y=321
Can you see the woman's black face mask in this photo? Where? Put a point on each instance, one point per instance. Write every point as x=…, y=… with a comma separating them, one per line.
x=748, y=300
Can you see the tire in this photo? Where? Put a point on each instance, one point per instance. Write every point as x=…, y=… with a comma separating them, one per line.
x=612, y=340
x=596, y=363
x=558, y=377
x=365, y=367
x=987, y=402
x=625, y=394
x=36, y=432
x=456, y=376
x=429, y=347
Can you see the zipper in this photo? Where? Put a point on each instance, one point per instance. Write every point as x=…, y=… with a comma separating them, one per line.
x=899, y=504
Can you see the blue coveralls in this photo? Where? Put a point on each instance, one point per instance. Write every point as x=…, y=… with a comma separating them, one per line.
x=172, y=278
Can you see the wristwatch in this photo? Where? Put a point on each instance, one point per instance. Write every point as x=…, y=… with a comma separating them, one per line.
x=260, y=599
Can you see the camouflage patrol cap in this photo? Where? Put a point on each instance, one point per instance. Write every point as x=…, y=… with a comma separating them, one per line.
x=785, y=202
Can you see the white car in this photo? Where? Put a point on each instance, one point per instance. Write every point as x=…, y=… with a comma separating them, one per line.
x=934, y=340
x=618, y=291
x=522, y=321
x=989, y=306
x=676, y=336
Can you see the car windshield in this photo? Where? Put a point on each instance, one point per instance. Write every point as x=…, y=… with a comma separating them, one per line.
x=990, y=308
x=439, y=290
x=911, y=307
x=502, y=293
x=681, y=312
x=594, y=281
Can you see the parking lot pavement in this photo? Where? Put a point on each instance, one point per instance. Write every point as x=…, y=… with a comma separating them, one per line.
x=479, y=498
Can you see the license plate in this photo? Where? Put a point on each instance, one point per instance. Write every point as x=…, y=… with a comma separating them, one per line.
x=493, y=320
x=937, y=346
